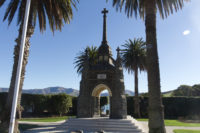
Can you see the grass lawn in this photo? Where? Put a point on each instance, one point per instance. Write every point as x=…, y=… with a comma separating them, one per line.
x=46, y=119
x=176, y=123
x=186, y=131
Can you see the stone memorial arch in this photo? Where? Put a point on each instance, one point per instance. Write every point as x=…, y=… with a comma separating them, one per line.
x=106, y=74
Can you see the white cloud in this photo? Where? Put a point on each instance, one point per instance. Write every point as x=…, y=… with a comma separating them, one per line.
x=186, y=32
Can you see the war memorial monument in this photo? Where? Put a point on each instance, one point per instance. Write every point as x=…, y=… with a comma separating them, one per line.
x=106, y=74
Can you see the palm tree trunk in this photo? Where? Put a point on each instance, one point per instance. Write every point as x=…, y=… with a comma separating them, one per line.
x=156, y=113
x=5, y=117
x=136, y=97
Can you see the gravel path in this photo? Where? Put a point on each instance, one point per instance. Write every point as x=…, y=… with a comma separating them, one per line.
x=60, y=127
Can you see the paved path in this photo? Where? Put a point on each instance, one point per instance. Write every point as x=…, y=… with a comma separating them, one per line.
x=170, y=129
x=46, y=127
x=60, y=127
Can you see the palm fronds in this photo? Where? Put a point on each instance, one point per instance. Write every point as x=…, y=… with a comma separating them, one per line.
x=58, y=12
x=137, y=7
x=133, y=55
x=89, y=55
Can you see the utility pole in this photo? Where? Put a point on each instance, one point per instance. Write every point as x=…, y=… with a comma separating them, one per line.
x=19, y=68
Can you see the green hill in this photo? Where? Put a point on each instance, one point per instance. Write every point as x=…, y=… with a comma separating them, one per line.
x=182, y=90
x=186, y=90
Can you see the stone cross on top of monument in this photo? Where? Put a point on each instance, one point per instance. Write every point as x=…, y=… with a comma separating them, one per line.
x=104, y=49
x=104, y=12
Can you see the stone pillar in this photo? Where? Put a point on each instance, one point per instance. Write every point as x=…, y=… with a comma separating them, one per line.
x=96, y=106
x=118, y=108
x=118, y=100
x=84, y=107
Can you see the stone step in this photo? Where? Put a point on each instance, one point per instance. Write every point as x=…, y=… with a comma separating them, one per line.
x=114, y=130
x=102, y=125
x=89, y=125
x=104, y=122
x=100, y=119
x=72, y=131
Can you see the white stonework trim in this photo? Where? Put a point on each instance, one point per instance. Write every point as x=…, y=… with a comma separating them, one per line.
x=99, y=88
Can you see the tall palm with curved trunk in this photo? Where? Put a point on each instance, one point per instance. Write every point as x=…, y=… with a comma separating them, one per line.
x=90, y=54
x=147, y=10
x=57, y=12
x=133, y=59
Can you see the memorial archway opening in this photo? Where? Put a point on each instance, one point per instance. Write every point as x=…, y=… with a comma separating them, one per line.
x=101, y=95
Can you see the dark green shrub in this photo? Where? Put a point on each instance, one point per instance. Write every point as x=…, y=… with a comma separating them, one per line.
x=143, y=106
x=59, y=104
x=34, y=103
x=130, y=105
x=3, y=97
x=74, y=105
x=174, y=107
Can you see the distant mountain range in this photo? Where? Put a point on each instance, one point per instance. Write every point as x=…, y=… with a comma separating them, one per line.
x=49, y=90
x=56, y=90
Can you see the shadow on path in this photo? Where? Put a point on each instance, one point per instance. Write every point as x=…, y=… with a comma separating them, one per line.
x=47, y=127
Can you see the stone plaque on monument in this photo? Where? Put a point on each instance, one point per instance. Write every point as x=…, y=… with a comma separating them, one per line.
x=101, y=76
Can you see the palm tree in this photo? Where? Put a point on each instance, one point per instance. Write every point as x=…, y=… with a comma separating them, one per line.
x=58, y=12
x=90, y=54
x=147, y=10
x=133, y=59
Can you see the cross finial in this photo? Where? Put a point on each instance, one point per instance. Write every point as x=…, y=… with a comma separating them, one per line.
x=118, y=53
x=104, y=12
x=118, y=50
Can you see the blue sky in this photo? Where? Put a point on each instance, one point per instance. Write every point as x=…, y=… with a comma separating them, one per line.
x=51, y=56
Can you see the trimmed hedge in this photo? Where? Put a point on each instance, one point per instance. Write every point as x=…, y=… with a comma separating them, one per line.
x=74, y=106
x=181, y=107
x=3, y=97
x=143, y=106
x=60, y=104
x=41, y=105
x=35, y=104
x=174, y=107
